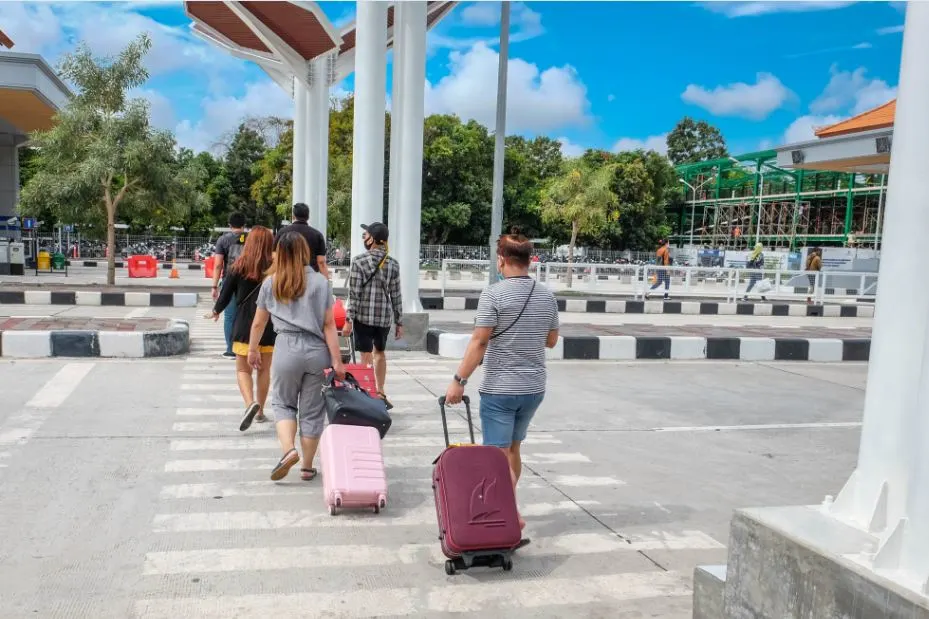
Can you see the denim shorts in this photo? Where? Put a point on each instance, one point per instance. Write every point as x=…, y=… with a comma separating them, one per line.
x=505, y=418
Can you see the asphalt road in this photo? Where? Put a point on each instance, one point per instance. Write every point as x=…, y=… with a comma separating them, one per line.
x=127, y=490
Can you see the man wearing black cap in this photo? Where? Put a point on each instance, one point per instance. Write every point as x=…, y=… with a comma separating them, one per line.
x=374, y=302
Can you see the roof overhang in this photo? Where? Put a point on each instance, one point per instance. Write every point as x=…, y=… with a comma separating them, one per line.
x=30, y=93
x=867, y=152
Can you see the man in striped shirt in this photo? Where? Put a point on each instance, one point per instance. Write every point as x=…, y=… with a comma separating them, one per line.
x=517, y=319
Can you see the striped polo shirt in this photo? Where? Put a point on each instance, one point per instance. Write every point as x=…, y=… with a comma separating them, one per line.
x=514, y=363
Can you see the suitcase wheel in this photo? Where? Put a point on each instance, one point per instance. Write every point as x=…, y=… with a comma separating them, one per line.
x=507, y=565
x=338, y=501
x=382, y=502
x=332, y=510
x=377, y=509
x=450, y=567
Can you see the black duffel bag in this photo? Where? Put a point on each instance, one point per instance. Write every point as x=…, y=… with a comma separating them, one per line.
x=348, y=404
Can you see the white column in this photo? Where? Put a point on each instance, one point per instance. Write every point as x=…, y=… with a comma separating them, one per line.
x=311, y=157
x=412, y=27
x=396, y=121
x=875, y=496
x=321, y=97
x=299, y=153
x=368, y=132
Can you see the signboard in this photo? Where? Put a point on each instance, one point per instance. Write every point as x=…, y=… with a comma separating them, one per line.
x=28, y=223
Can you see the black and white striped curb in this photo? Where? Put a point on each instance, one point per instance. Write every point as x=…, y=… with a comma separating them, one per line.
x=705, y=308
x=629, y=348
x=92, y=297
x=175, y=340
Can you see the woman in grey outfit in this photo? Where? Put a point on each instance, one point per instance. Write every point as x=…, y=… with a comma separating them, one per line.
x=298, y=302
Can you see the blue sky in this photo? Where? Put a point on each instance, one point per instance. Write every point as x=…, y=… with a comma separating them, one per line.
x=594, y=74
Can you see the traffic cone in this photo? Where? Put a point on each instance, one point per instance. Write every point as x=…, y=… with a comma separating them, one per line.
x=174, y=273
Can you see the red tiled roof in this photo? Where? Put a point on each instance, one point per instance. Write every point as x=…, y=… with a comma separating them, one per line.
x=880, y=117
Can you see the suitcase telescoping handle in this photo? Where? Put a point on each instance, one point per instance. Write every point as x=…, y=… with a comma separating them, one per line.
x=467, y=403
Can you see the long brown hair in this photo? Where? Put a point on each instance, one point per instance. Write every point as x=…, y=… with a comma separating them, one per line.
x=256, y=255
x=289, y=268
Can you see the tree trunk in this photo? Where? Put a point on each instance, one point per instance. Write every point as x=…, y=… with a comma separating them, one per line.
x=571, y=253
x=110, y=243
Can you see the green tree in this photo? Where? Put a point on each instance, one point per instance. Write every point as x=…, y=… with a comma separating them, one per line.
x=273, y=186
x=103, y=157
x=582, y=198
x=692, y=141
x=246, y=150
x=528, y=165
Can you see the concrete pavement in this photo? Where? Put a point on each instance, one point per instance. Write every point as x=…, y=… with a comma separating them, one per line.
x=129, y=492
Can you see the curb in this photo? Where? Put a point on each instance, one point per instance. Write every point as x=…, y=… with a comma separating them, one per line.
x=704, y=308
x=631, y=348
x=91, y=297
x=175, y=340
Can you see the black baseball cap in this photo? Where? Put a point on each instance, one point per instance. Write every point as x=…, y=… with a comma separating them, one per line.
x=377, y=230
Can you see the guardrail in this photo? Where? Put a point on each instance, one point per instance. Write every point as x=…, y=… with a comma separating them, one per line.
x=639, y=280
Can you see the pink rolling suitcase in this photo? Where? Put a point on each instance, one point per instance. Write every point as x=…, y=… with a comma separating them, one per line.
x=353, y=468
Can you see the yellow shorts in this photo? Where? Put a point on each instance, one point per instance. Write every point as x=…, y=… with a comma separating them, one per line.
x=241, y=349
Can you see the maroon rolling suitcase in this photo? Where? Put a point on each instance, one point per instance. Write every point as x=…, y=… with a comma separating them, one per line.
x=475, y=503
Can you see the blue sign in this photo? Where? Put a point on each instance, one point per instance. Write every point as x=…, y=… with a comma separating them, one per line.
x=69, y=227
x=28, y=223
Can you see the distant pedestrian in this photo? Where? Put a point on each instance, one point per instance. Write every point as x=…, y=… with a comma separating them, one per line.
x=241, y=289
x=516, y=321
x=228, y=248
x=755, y=261
x=663, y=259
x=297, y=301
x=374, y=303
x=814, y=264
x=314, y=238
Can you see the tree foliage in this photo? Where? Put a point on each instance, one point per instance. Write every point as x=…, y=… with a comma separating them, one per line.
x=692, y=141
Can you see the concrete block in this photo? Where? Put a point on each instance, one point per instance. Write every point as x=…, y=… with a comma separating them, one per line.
x=16, y=297
x=832, y=311
x=756, y=349
x=75, y=344
x=454, y=303
x=27, y=344
x=654, y=307
x=728, y=309
x=38, y=297
x=453, y=345
x=586, y=347
x=121, y=344
x=138, y=299
x=175, y=340
x=796, y=309
x=415, y=327
x=866, y=311
x=87, y=298
x=557, y=352
x=615, y=307
x=578, y=306
x=825, y=350
x=432, y=341
x=763, y=309
x=185, y=299
x=688, y=347
x=617, y=347
x=709, y=591
x=690, y=307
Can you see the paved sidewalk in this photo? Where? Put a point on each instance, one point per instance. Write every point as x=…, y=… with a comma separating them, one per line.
x=79, y=323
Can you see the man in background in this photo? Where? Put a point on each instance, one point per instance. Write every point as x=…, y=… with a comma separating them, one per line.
x=663, y=276
x=314, y=238
x=228, y=247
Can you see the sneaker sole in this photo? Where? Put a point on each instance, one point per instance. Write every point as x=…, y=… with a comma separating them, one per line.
x=250, y=413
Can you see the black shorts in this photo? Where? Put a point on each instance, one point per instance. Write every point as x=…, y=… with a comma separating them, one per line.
x=368, y=338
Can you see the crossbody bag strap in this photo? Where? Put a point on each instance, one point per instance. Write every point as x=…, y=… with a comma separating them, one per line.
x=520, y=315
x=248, y=296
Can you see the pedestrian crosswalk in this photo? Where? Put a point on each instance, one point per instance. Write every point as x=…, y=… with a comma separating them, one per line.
x=228, y=542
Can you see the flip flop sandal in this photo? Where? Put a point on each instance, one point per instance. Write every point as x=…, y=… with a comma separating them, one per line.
x=284, y=465
x=250, y=413
x=307, y=474
x=383, y=396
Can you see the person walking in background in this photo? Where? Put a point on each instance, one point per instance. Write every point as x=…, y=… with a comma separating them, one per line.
x=228, y=248
x=516, y=321
x=297, y=301
x=663, y=259
x=313, y=237
x=814, y=263
x=755, y=261
x=374, y=303
x=241, y=289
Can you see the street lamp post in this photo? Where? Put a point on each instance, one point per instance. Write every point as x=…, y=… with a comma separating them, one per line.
x=496, y=218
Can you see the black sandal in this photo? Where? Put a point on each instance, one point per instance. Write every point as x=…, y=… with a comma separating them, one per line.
x=287, y=461
x=307, y=474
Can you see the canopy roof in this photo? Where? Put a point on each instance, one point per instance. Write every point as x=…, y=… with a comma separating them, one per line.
x=880, y=117
x=30, y=94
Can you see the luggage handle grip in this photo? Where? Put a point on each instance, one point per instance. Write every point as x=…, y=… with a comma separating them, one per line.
x=467, y=403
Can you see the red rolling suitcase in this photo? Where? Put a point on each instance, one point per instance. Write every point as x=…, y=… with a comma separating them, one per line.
x=362, y=373
x=475, y=503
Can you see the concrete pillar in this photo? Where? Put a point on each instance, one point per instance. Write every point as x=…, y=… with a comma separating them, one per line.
x=368, y=132
x=321, y=100
x=412, y=37
x=299, y=154
x=882, y=487
x=311, y=155
x=395, y=123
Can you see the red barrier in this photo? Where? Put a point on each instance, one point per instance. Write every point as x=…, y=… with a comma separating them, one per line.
x=208, y=268
x=142, y=266
x=338, y=312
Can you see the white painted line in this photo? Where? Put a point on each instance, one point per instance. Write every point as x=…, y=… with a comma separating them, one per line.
x=582, y=481
x=226, y=375
x=279, y=558
x=210, y=412
x=213, y=397
x=269, y=520
x=479, y=597
x=250, y=442
x=554, y=458
x=411, y=397
x=138, y=312
x=769, y=426
x=206, y=426
x=60, y=386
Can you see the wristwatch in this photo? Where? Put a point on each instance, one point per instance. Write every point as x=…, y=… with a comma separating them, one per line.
x=461, y=381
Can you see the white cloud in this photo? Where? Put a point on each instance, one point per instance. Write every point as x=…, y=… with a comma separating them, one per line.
x=863, y=45
x=852, y=91
x=525, y=24
x=570, y=149
x=537, y=101
x=890, y=29
x=752, y=9
x=753, y=101
x=802, y=129
x=657, y=143
x=481, y=14
x=161, y=111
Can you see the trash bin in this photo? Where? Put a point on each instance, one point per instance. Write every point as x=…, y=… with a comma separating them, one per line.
x=4, y=257
x=43, y=261
x=58, y=261
x=17, y=258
